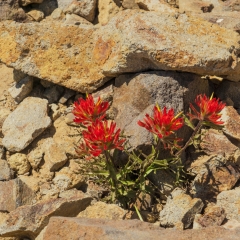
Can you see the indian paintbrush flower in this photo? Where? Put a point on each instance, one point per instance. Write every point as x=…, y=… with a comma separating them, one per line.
x=209, y=110
x=87, y=111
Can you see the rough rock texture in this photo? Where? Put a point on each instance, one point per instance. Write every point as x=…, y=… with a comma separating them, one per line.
x=14, y=193
x=5, y=172
x=213, y=216
x=103, y=211
x=36, y=15
x=29, y=220
x=4, y=112
x=73, y=19
x=19, y=163
x=73, y=228
x=132, y=41
x=180, y=210
x=21, y=89
x=25, y=123
x=26, y=2
x=129, y=4
x=214, y=175
x=229, y=200
x=84, y=8
x=155, y=5
x=231, y=120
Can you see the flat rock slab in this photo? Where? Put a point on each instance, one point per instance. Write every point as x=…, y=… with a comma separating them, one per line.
x=25, y=123
x=83, y=58
x=86, y=229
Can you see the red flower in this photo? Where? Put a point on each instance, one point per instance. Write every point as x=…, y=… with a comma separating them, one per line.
x=209, y=109
x=162, y=123
x=101, y=137
x=86, y=111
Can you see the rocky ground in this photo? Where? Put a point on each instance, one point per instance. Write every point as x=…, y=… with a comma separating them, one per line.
x=132, y=54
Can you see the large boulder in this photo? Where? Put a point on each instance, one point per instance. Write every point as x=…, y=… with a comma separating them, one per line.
x=84, y=58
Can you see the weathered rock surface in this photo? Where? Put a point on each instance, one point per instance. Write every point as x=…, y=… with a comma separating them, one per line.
x=25, y=123
x=5, y=172
x=84, y=8
x=73, y=228
x=29, y=220
x=155, y=5
x=19, y=163
x=36, y=15
x=14, y=193
x=214, y=175
x=138, y=40
x=180, y=210
x=103, y=211
x=229, y=200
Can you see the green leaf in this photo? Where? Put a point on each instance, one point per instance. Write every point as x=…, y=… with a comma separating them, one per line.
x=188, y=122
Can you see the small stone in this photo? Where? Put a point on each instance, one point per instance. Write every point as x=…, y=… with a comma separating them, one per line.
x=101, y=210
x=25, y=123
x=27, y=2
x=155, y=5
x=35, y=157
x=67, y=94
x=57, y=14
x=130, y=4
x=36, y=15
x=180, y=209
x=105, y=93
x=55, y=157
x=229, y=200
x=73, y=19
x=56, y=113
x=21, y=89
x=5, y=172
x=19, y=163
x=53, y=93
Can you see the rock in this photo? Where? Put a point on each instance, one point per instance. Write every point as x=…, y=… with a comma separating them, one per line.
x=125, y=40
x=55, y=157
x=129, y=4
x=47, y=7
x=57, y=14
x=213, y=177
x=53, y=93
x=35, y=157
x=70, y=193
x=21, y=89
x=19, y=163
x=155, y=5
x=18, y=75
x=36, y=15
x=231, y=224
x=231, y=120
x=10, y=10
x=25, y=123
x=4, y=112
x=105, y=93
x=214, y=142
x=13, y=194
x=180, y=210
x=68, y=93
x=229, y=200
x=55, y=111
x=72, y=228
x=73, y=19
x=84, y=8
x=26, y=2
x=107, y=10
x=5, y=172
x=232, y=95
x=63, y=3
x=29, y=220
x=103, y=211
x=46, y=84
x=213, y=216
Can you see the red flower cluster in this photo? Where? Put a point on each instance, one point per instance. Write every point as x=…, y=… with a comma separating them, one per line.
x=99, y=136
x=209, y=109
x=163, y=123
x=86, y=111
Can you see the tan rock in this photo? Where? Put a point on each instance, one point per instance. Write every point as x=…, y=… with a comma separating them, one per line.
x=129, y=4
x=35, y=157
x=19, y=163
x=76, y=20
x=36, y=15
x=107, y=9
x=29, y=220
x=103, y=211
x=4, y=112
x=5, y=172
x=26, y=2
x=155, y=5
x=57, y=14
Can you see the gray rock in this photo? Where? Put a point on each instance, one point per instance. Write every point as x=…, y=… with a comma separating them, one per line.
x=18, y=75
x=84, y=8
x=5, y=172
x=25, y=123
x=67, y=94
x=180, y=210
x=63, y=3
x=47, y=7
x=13, y=194
x=229, y=200
x=28, y=221
x=53, y=93
x=21, y=89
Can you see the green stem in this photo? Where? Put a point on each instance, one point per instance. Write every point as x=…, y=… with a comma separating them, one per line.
x=196, y=130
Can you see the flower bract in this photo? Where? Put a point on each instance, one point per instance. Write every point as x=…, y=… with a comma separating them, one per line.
x=209, y=110
x=87, y=111
x=163, y=123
